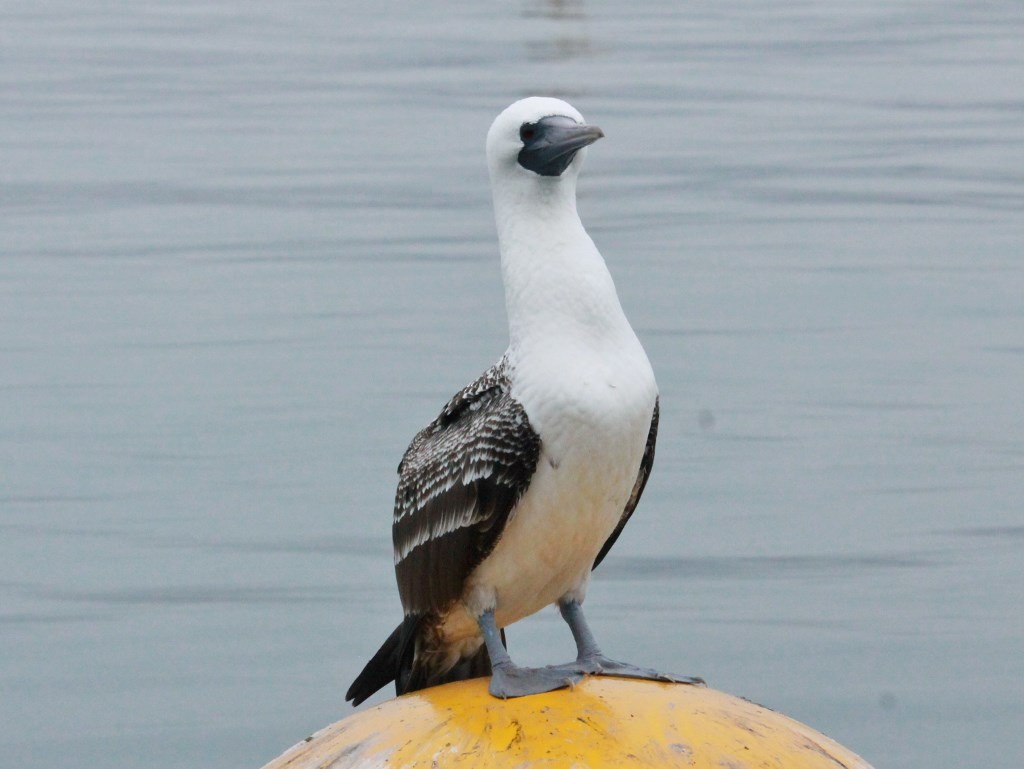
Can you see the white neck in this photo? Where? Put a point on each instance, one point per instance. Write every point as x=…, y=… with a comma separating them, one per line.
x=555, y=280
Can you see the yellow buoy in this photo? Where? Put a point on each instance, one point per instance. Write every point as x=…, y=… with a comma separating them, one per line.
x=603, y=722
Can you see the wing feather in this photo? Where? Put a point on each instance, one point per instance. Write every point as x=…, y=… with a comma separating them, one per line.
x=459, y=482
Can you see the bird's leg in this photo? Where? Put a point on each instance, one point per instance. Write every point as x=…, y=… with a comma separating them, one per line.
x=586, y=645
x=510, y=680
x=590, y=659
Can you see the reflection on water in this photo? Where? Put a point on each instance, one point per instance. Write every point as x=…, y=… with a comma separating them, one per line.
x=247, y=252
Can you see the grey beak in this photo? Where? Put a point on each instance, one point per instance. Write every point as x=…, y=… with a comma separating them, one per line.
x=550, y=144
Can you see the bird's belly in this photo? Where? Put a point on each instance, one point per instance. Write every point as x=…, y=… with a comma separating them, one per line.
x=545, y=552
x=593, y=415
x=575, y=500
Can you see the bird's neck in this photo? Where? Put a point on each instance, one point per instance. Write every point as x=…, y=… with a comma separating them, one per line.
x=556, y=283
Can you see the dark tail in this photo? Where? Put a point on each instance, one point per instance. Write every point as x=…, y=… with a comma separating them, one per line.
x=394, y=655
x=396, y=660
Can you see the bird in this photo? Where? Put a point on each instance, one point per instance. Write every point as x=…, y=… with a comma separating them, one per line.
x=510, y=498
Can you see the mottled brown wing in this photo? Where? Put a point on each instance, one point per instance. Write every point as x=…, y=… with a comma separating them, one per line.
x=638, y=488
x=458, y=483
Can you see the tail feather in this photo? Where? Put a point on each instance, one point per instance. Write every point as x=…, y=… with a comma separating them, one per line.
x=394, y=655
x=425, y=673
x=396, y=660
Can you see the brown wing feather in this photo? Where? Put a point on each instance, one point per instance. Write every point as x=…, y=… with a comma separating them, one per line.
x=458, y=483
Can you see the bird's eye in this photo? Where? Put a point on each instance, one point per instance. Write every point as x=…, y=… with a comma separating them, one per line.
x=527, y=132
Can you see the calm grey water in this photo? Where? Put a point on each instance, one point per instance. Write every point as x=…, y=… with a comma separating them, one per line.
x=246, y=250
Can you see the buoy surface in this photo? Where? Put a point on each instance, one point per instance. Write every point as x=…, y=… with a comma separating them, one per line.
x=603, y=722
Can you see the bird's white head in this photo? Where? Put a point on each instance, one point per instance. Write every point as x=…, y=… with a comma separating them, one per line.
x=538, y=141
x=553, y=273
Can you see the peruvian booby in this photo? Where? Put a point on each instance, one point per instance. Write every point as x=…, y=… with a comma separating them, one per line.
x=510, y=498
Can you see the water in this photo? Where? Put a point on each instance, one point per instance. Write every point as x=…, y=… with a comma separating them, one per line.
x=247, y=250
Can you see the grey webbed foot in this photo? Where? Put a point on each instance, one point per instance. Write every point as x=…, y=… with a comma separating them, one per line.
x=599, y=665
x=591, y=660
x=510, y=680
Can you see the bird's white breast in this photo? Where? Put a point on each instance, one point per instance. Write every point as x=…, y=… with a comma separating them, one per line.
x=591, y=404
